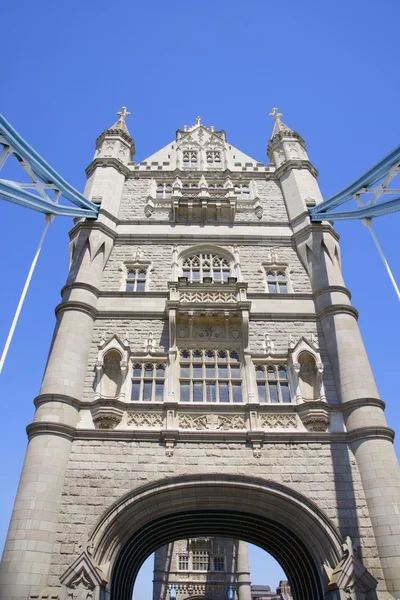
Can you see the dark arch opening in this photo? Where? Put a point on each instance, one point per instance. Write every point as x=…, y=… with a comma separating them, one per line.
x=292, y=554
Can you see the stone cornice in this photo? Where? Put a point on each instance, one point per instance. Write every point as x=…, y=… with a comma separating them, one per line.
x=77, y=306
x=166, y=175
x=332, y=289
x=116, y=132
x=360, y=402
x=48, y=428
x=93, y=226
x=285, y=133
x=364, y=433
x=63, y=398
x=290, y=165
x=321, y=227
x=80, y=285
x=218, y=408
x=238, y=436
x=335, y=309
x=107, y=162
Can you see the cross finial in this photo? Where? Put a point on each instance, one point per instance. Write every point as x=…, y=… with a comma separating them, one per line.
x=198, y=120
x=275, y=114
x=123, y=114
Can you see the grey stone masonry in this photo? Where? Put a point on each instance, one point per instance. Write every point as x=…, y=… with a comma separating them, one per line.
x=206, y=377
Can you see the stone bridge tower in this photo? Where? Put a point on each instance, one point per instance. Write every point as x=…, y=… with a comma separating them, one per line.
x=206, y=377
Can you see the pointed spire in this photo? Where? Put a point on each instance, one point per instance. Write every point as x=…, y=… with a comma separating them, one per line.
x=278, y=125
x=121, y=123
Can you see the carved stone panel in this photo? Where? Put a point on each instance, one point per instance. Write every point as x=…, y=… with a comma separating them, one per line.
x=145, y=419
x=278, y=421
x=231, y=422
x=187, y=421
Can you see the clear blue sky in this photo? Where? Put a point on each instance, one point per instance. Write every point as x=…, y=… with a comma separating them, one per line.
x=66, y=68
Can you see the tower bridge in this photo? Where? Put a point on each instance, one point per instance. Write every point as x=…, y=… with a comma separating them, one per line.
x=206, y=377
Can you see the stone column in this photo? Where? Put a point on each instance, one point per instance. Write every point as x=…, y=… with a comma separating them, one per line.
x=371, y=439
x=29, y=546
x=243, y=571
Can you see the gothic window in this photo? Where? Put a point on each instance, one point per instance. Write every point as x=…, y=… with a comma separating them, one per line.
x=242, y=191
x=213, y=158
x=189, y=158
x=136, y=279
x=216, y=186
x=206, y=264
x=272, y=383
x=183, y=562
x=164, y=191
x=201, y=560
x=276, y=280
x=148, y=382
x=210, y=376
x=219, y=563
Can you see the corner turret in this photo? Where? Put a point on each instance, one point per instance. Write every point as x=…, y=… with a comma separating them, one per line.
x=298, y=177
x=107, y=172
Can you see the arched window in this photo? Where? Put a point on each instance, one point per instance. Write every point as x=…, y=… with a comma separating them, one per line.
x=272, y=383
x=148, y=381
x=164, y=191
x=136, y=279
x=277, y=281
x=213, y=158
x=206, y=264
x=308, y=377
x=112, y=377
x=242, y=191
x=189, y=158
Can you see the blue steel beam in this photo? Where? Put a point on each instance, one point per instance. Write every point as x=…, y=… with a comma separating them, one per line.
x=363, y=184
x=13, y=192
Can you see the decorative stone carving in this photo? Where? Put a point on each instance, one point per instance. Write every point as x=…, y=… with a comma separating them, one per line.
x=268, y=345
x=149, y=208
x=231, y=422
x=149, y=345
x=106, y=417
x=145, y=419
x=212, y=333
x=83, y=578
x=315, y=419
x=278, y=421
x=235, y=333
x=350, y=580
x=207, y=296
x=187, y=421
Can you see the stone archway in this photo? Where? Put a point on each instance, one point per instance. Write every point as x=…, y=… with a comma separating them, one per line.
x=279, y=520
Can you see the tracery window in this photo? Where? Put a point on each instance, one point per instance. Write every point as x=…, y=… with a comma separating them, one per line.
x=206, y=264
x=213, y=158
x=216, y=186
x=219, y=563
x=201, y=560
x=164, y=191
x=277, y=281
x=148, y=382
x=242, y=190
x=136, y=279
x=183, y=562
x=210, y=376
x=272, y=383
x=189, y=158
